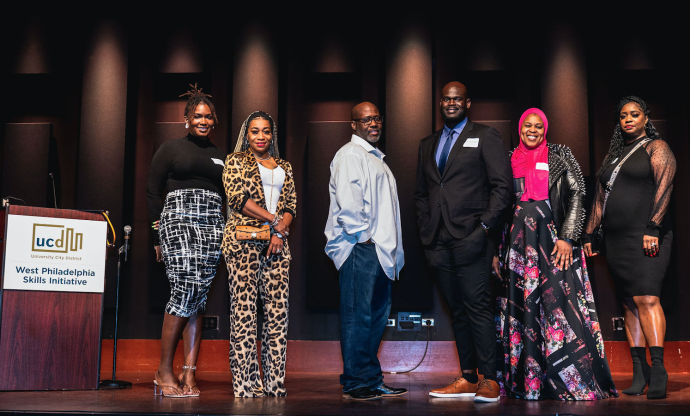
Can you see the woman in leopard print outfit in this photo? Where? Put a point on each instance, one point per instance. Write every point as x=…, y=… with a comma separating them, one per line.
x=260, y=189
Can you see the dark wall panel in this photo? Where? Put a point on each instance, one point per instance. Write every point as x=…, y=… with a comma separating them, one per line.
x=103, y=121
x=255, y=77
x=101, y=162
x=25, y=167
x=408, y=120
x=323, y=141
x=564, y=92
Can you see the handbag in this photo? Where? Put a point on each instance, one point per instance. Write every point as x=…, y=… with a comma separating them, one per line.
x=253, y=233
x=598, y=245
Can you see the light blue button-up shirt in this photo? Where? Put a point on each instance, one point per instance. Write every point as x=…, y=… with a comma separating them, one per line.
x=364, y=205
x=444, y=137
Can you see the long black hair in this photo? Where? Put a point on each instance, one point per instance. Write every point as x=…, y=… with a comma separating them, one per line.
x=617, y=141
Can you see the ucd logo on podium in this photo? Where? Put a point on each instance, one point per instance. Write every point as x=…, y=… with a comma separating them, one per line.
x=53, y=239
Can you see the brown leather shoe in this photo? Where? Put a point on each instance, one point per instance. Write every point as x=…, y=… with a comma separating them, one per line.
x=487, y=391
x=458, y=388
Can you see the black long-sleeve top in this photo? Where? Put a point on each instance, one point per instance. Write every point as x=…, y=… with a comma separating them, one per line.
x=186, y=163
x=663, y=165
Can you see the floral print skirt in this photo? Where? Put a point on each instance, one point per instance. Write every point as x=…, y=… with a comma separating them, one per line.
x=547, y=325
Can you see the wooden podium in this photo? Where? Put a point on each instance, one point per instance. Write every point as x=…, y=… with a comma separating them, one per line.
x=49, y=340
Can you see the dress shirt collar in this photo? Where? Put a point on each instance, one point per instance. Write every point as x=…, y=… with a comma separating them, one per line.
x=458, y=129
x=367, y=146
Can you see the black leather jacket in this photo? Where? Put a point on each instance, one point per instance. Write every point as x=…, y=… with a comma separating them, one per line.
x=566, y=193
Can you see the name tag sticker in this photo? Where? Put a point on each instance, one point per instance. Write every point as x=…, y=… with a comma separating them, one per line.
x=543, y=166
x=471, y=142
x=217, y=161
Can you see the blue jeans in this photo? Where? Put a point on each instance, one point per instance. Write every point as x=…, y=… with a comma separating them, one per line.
x=365, y=303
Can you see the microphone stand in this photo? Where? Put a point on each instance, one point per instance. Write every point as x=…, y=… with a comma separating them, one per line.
x=113, y=383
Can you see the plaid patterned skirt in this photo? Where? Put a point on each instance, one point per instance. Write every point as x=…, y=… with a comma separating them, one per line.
x=191, y=234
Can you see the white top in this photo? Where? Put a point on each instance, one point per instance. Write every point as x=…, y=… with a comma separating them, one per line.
x=273, y=180
x=364, y=205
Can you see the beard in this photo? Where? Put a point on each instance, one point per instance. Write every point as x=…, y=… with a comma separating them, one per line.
x=453, y=118
x=372, y=139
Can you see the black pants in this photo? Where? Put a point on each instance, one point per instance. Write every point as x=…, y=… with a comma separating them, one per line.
x=463, y=270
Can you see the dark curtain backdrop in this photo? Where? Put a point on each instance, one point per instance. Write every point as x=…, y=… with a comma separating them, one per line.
x=90, y=102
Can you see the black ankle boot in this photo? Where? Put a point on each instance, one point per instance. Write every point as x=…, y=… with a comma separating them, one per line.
x=659, y=377
x=641, y=371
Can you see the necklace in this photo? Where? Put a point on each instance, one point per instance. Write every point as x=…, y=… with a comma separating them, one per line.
x=269, y=200
x=259, y=158
x=271, y=191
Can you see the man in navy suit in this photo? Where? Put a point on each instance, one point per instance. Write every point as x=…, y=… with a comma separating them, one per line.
x=464, y=182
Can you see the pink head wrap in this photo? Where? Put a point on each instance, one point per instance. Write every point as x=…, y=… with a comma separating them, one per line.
x=524, y=162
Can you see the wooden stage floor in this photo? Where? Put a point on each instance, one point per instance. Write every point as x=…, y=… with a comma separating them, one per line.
x=319, y=394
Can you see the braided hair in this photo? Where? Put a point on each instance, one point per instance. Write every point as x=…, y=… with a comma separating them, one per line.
x=197, y=97
x=242, y=142
x=617, y=141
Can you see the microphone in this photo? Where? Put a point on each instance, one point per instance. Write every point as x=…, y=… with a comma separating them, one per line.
x=54, y=197
x=128, y=230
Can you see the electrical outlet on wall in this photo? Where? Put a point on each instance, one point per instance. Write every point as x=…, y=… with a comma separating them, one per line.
x=409, y=321
x=210, y=323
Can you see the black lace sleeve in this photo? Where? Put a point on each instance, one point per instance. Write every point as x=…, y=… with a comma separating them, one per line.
x=664, y=169
x=595, y=213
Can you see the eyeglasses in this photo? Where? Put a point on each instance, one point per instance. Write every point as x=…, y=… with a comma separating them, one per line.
x=448, y=100
x=367, y=120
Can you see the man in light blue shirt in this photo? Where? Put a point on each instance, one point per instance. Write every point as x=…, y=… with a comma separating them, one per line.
x=365, y=243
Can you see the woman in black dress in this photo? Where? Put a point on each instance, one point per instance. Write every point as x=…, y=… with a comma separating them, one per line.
x=549, y=333
x=189, y=237
x=637, y=235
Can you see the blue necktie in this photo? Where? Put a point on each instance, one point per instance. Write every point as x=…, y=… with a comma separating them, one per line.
x=444, y=153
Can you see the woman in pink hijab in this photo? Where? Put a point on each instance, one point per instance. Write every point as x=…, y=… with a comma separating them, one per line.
x=548, y=326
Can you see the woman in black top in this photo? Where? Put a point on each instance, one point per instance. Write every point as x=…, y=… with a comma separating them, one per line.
x=638, y=235
x=188, y=238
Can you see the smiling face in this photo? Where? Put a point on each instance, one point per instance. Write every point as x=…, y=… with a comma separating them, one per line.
x=532, y=131
x=632, y=120
x=201, y=121
x=370, y=132
x=259, y=136
x=454, y=103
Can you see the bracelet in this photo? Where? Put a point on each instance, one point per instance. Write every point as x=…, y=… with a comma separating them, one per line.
x=276, y=220
x=279, y=235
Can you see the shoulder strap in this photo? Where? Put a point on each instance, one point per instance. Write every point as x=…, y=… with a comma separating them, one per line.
x=614, y=174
